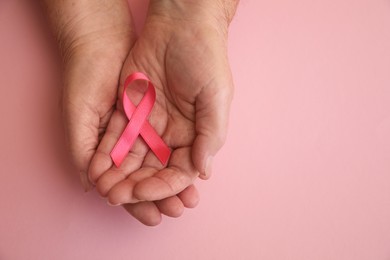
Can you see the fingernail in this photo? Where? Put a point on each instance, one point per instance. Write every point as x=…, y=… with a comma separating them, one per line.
x=112, y=205
x=209, y=167
x=84, y=181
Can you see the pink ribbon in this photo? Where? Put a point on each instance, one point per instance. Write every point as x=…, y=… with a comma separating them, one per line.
x=139, y=125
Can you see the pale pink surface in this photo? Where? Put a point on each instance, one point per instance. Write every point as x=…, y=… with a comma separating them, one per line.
x=305, y=173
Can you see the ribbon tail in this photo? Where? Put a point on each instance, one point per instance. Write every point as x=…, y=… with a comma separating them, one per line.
x=123, y=146
x=156, y=144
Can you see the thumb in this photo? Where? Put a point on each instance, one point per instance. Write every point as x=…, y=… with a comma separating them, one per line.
x=212, y=116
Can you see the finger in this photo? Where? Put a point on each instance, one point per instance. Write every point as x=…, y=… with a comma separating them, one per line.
x=212, y=116
x=172, y=207
x=168, y=182
x=108, y=180
x=146, y=212
x=101, y=162
x=122, y=192
x=189, y=197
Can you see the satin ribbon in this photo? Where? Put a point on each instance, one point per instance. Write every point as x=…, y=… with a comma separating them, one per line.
x=138, y=125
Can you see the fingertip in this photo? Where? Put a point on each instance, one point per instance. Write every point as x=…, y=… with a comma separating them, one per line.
x=108, y=180
x=203, y=154
x=204, y=177
x=145, y=212
x=123, y=193
x=190, y=197
x=171, y=207
x=148, y=189
x=164, y=184
x=155, y=221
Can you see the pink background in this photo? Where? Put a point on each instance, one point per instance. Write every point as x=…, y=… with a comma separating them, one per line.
x=305, y=173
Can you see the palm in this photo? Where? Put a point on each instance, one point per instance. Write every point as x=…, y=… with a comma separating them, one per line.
x=179, y=66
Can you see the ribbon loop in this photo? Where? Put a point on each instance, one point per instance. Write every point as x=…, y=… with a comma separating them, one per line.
x=139, y=125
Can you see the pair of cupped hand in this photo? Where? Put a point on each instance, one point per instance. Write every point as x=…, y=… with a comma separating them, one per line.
x=184, y=53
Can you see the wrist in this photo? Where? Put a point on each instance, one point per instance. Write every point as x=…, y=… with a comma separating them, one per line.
x=212, y=13
x=90, y=25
